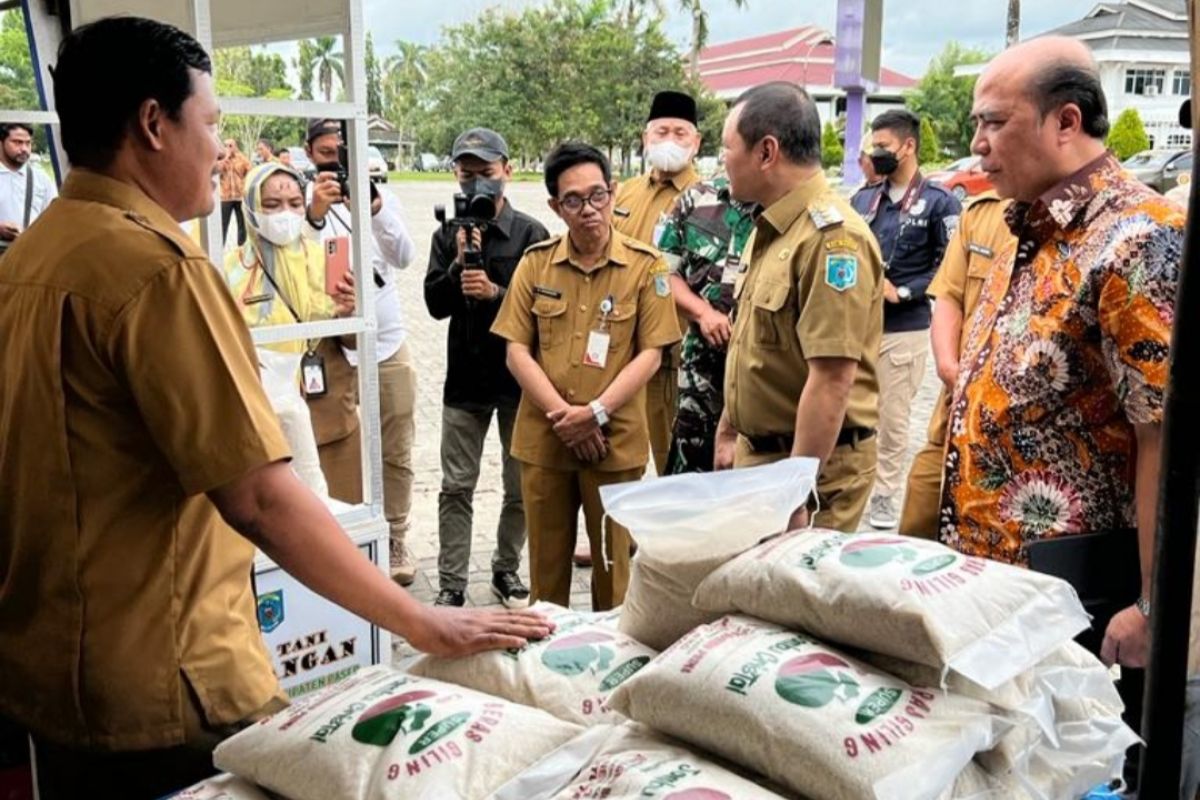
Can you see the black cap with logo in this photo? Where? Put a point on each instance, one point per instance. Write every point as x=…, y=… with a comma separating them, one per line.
x=483, y=143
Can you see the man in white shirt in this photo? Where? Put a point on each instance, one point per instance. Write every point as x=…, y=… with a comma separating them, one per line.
x=25, y=190
x=389, y=246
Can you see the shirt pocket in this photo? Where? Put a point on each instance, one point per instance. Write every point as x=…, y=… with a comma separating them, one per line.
x=551, y=322
x=771, y=318
x=621, y=324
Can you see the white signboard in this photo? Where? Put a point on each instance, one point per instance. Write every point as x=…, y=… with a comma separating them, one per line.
x=312, y=641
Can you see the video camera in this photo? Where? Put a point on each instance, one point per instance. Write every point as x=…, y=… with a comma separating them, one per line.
x=471, y=212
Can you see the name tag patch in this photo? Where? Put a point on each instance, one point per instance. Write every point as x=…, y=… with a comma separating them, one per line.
x=546, y=292
x=841, y=271
x=980, y=250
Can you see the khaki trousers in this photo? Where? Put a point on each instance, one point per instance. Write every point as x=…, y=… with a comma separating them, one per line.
x=552, y=502
x=901, y=367
x=662, y=397
x=397, y=402
x=923, y=495
x=843, y=487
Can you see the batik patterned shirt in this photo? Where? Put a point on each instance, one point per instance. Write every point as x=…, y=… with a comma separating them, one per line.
x=1067, y=352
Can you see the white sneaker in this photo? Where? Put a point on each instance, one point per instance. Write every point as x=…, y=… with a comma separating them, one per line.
x=882, y=513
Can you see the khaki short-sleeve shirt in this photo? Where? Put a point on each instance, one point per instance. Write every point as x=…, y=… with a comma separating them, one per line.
x=643, y=202
x=553, y=305
x=982, y=238
x=130, y=390
x=812, y=287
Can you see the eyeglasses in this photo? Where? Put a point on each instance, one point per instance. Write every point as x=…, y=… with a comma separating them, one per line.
x=598, y=199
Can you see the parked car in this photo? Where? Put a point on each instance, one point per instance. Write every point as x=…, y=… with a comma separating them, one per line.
x=1159, y=169
x=377, y=167
x=964, y=178
x=427, y=162
x=302, y=163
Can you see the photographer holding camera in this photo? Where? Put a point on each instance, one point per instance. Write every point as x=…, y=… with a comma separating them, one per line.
x=334, y=414
x=471, y=262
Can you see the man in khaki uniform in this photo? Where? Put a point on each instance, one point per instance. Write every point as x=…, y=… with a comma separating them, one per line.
x=586, y=317
x=982, y=238
x=137, y=437
x=670, y=143
x=800, y=376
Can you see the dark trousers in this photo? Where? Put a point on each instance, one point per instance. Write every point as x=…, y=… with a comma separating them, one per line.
x=233, y=208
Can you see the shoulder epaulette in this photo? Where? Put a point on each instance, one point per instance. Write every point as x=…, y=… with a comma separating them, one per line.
x=825, y=216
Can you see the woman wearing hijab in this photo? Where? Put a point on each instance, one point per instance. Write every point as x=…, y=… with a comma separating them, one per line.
x=278, y=278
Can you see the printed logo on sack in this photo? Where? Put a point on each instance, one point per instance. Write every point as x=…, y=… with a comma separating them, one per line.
x=873, y=552
x=698, y=794
x=578, y=653
x=270, y=610
x=383, y=722
x=815, y=680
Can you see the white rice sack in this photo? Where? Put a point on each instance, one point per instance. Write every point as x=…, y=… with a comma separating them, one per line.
x=383, y=734
x=688, y=525
x=974, y=783
x=223, y=787
x=569, y=674
x=805, y=714
x=908, y=598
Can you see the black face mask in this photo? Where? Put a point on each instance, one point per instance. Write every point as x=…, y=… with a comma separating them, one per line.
x=884, y=161
x=490, y=188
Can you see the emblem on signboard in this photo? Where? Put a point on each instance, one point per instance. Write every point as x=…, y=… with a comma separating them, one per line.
x=270, y=610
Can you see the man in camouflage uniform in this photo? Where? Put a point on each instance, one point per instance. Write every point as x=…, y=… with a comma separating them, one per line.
x=702, y=240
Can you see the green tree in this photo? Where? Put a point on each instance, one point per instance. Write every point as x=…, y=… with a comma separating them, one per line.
x=931, y=146
x=833, y=152
x=18, y=89
x=328, y=65
x=946, y=98
x=243, y=72
x=374, y=79
x=306, y=67
x=1128, y=135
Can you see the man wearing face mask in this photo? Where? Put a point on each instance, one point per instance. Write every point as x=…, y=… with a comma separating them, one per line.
x=334, y=415
x=912, y=220
x=641, y=206
x=478, y=382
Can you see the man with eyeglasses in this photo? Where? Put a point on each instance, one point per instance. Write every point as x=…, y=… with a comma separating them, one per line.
x=586, y=317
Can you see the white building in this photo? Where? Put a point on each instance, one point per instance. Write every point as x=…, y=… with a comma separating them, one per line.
x=1142, y=50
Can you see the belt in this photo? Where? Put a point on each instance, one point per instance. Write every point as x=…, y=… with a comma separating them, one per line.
x=782, y=442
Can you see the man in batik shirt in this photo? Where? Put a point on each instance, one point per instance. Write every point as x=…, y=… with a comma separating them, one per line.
x=702, y=240
x=1055, y=427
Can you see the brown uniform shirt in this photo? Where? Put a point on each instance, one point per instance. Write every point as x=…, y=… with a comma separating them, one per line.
x=982, y=237
x=812, y=287
x=129, y=389
x=552, y=305
x=646, y=201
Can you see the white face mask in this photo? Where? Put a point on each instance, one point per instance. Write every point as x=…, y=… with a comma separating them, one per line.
x=668, y=156
x=281, y=228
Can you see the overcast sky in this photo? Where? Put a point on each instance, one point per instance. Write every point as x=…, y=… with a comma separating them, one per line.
x=914, y=30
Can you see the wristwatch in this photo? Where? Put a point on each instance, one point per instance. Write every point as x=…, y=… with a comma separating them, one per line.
x=904, y=293
x=1143, y=605
x=599, y=412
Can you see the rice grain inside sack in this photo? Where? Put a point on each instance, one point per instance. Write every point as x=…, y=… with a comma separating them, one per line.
x=569, y=674
x=658, y=602
x=384, y=734
x=807, y=715
x=909, y=598
x=637, y=763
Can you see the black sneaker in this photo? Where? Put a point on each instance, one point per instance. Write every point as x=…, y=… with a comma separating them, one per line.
x=450, y=597
x=508, y=587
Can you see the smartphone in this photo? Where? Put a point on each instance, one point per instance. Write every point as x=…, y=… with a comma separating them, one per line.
x=337, y=262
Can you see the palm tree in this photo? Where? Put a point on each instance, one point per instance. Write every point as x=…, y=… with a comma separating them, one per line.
x=699, y=30
x=328, y=63
x=1013, y=32
x=632, y=9
x=404, y=76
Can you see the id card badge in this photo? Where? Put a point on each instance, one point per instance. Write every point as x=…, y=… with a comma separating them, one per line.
x=312, y=374
x=733, y=268
x=596, y=354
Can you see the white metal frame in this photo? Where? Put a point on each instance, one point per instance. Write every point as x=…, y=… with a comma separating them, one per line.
x=304, y=18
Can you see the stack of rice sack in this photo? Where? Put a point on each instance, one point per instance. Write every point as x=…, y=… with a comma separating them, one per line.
x=860, y=666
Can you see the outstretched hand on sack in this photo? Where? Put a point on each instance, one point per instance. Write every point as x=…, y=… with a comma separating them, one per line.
x=446, y=631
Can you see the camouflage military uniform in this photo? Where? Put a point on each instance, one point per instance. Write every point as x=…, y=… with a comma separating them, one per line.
x=702, y=239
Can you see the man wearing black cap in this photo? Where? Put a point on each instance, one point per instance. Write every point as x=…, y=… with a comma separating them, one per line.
x=478, y=382
x=334, y=418
x=670, y=143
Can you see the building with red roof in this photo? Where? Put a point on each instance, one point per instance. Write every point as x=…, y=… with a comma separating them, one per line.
x=800, y=55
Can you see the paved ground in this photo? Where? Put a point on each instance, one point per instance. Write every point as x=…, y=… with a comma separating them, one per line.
x=427, y=338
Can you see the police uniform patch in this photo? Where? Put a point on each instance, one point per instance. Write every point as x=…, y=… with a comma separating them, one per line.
x=841, y=271
x=662, y=287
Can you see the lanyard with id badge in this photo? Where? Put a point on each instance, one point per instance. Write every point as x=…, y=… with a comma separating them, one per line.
x=596, y=354
x=312, y=364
